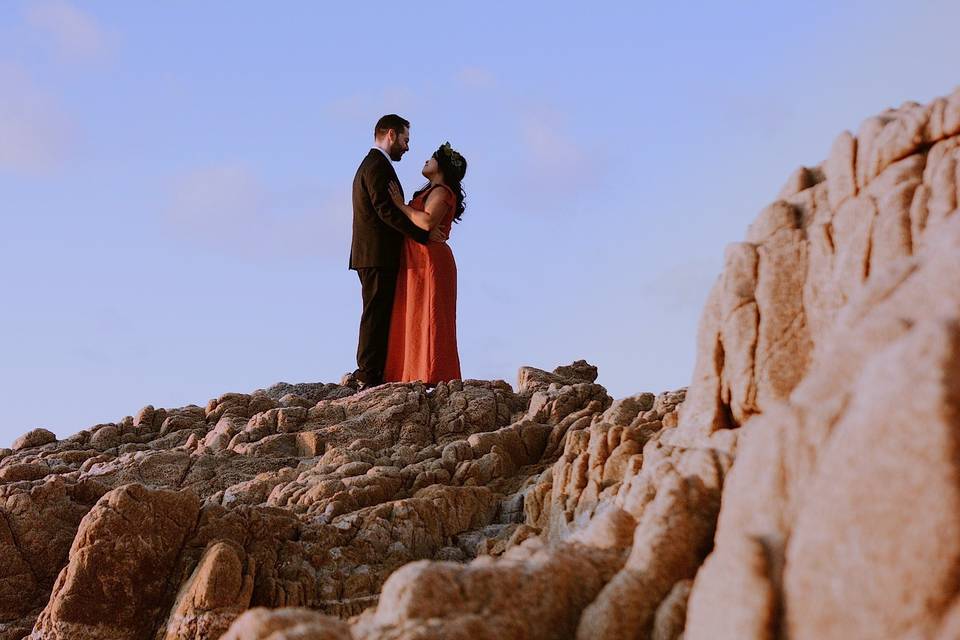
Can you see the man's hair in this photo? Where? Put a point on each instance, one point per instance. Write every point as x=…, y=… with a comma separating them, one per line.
x=388, y=122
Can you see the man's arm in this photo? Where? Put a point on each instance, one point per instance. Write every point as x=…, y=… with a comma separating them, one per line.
x=378, y=185
x=435, y=209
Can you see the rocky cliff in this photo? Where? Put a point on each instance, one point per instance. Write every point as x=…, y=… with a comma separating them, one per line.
x=805, y=485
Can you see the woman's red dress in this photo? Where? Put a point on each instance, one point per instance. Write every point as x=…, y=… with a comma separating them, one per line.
x=423, y=328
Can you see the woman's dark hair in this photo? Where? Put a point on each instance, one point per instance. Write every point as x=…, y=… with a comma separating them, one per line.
x=453, y=167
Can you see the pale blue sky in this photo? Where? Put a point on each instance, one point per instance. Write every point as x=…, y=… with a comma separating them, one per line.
x=175, y=177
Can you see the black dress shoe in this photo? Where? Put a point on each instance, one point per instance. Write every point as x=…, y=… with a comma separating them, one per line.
x=350, y=380
x=369, y=384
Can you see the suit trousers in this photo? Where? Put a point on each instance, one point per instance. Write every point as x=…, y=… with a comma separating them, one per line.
x=378, y=285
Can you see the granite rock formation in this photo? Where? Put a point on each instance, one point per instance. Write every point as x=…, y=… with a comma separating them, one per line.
x=806, y=485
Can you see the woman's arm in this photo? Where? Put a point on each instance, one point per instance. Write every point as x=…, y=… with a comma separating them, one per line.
x=435, y=208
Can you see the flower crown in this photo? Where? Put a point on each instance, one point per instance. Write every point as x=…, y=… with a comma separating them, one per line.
x=452, y=155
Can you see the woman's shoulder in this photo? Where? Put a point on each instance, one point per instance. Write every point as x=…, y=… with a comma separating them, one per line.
x=443, y=191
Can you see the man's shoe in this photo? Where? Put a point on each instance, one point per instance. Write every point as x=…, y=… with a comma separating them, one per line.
x=363, y=386
x=350, y=380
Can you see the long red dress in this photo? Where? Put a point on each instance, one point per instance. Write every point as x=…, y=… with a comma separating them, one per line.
x=423, y=328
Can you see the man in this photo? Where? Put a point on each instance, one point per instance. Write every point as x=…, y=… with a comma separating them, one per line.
x=378, y=230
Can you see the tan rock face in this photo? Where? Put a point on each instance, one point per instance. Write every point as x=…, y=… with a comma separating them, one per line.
x=809, y=253
x=216, y=593
x=116, y=582
x=287, y=624
x=805, y=485
x=38, y=522
x=839, y=515
x=35, y=438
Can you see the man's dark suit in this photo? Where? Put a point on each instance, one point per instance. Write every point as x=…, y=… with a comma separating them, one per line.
x=378, y=230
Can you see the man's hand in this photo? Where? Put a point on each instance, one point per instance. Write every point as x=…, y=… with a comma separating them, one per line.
x=436, y=235
x=395, y=195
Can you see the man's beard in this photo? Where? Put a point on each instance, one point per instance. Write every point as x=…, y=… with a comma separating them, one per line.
x=396, y=151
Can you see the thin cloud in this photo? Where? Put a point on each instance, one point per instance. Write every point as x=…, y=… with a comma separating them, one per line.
x=476, y=78
x=228, y=208
x=75, y=34
x=554, y=162
x=369, y=106
x=552, y=152
x=35, y=133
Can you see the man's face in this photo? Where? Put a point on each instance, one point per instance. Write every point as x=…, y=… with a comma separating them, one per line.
x=400, y=144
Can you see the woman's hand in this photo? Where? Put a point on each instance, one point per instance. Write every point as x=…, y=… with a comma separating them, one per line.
x=395, y=194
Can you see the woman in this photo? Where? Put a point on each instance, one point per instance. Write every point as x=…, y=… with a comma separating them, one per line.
x=423, y=328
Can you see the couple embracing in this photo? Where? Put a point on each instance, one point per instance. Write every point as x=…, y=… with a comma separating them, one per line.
x=408, y=277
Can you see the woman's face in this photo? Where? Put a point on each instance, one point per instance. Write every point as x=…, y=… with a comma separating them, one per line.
x=430, y=168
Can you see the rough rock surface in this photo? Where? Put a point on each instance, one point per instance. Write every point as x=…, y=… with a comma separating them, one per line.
x=806, y=485
x=841, y=515
x=173, y=523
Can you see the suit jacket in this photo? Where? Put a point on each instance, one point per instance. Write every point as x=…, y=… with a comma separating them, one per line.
x=378, y=225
